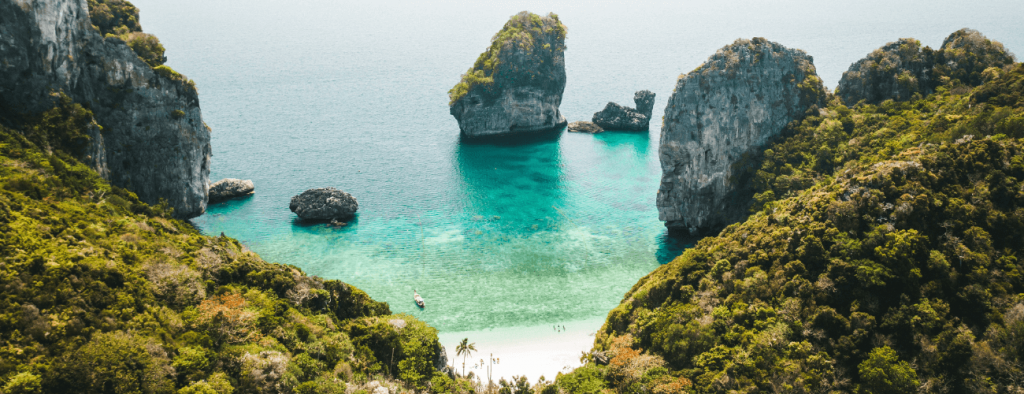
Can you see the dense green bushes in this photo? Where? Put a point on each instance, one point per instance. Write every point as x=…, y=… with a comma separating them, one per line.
x=110, y=15
x=903, y=70
x=147, y=46
x=100, y=292
x=119, y=18
x=882, y=258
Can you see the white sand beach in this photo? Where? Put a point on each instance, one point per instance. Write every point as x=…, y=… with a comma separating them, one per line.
x=533, y=351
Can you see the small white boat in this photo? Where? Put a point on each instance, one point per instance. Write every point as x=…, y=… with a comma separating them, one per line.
x=419, y=300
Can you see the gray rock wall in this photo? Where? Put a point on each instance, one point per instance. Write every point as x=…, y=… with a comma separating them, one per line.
x=734, y=104
x=644, y=101
x=144, y=146
x=516, y=110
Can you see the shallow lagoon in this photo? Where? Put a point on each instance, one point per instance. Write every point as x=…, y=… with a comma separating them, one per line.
x=523, y=234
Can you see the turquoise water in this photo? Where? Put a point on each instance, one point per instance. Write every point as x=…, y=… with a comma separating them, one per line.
x=525, y=233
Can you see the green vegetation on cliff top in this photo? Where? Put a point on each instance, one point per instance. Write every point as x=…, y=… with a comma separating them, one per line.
x=526, y=32
x=120, y=19
x=101, y=293
x=903, y=70
x=882, y=258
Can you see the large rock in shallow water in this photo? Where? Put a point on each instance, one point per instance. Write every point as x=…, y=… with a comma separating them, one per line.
x=584, y=127
x=324, y=204
x=516, y=85
x=617, y=117
x=228, y=188
x=902, y=69
x=154, y=141
x=733, y=105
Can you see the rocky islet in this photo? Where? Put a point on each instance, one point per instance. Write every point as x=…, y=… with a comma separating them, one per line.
x=516, y=85
x=584, y=127
x=229, y=188
x=618, y=117
x=325, y=203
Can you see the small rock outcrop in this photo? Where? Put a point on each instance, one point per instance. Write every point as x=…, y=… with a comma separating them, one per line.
x=734, y=104
x=585, y=127
x=617, y=117
x=902, y=69
x=516, y=85
x=644, y=101
x=153, y=139
x=228, y=188
x=325, y=203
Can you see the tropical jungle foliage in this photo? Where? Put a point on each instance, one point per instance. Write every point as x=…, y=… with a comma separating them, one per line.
x=101, y=293
x=882, y=258
x=528, y=37
x=903, y=70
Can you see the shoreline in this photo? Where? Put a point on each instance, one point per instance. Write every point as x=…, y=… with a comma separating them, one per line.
x=531, y=351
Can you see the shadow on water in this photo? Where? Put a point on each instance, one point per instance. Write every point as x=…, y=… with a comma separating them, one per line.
x=640, y=142
x=513, y=139
x=671, y=245
x=516, y=178
x=229, y=205
x=308, y=225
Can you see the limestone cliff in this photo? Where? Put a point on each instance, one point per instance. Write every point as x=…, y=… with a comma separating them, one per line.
x=516, y=85
x=153, y=139
x=902, y=69
x=733, y=105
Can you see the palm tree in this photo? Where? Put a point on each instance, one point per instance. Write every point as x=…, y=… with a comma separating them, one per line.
x=465, y=349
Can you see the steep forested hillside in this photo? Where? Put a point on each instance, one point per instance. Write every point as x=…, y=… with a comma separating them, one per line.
x=882, y=258
x=101, y=293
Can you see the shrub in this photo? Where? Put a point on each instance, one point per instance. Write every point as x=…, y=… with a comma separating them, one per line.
x=24, y=383
x=108, y=15
x=227, y=318
x=176, y=283
x=114, y=362
x=147, y=47
x=191, y=363
x=322, y=385
x=265, y=372
x=64, y=127
x=217, y=384
x=399, y=345
x=884, y=373
x=588, y=379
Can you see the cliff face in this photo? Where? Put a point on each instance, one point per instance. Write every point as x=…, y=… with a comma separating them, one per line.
x=901, y=69
x=732, y=105
x=153, y=139
x=516, y=85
